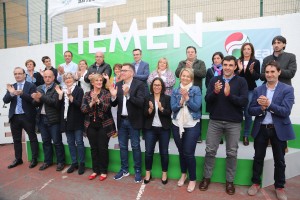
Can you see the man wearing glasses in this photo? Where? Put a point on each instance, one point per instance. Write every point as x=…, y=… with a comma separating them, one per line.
x=21, y=116
x=129, y=96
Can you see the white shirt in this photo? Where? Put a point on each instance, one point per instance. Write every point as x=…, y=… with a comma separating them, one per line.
x=71, y=67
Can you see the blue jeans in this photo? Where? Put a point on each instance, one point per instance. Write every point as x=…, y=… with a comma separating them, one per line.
x=278, y=148
x=75, y=138
x=151, y=137
x=248, y=118
x=186, y=148
x=51, y=132
x=125, y=133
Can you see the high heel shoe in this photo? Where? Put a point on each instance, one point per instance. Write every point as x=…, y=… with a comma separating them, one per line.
x=180, y=182
x=164, y=181
x=92, y=176
x=191, y=189
x=147, y=181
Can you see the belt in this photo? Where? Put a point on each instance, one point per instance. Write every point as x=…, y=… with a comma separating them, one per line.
x=124, y=117
x=268, y=126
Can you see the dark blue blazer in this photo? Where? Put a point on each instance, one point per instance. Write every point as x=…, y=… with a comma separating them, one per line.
x=280, y=109
x=27, y=101
x=134, y=105
x=143, y=74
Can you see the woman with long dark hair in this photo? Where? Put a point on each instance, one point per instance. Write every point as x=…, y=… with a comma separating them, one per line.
x=249, y=68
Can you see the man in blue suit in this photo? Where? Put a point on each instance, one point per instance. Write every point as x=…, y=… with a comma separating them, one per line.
x=271, y=105
x=22, y=116
x=141, y=69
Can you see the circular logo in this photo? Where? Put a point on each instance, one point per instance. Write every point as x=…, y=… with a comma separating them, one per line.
x=234, y=43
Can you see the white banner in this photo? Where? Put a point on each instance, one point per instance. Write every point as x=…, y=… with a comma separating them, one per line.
x=57, y=7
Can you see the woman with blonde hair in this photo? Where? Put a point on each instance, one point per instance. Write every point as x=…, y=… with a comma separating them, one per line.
x=186, y=104
x=99, y=125
x=162, y=71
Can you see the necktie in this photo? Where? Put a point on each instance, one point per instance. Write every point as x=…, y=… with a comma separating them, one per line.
x=19, y=101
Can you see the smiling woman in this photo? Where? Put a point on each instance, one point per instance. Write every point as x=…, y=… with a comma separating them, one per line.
x=186, y=104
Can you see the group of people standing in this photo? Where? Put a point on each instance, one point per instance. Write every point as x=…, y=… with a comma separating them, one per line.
x=82, y=101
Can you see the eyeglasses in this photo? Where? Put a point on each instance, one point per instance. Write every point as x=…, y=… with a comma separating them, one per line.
x=125, y=70
x=18, y=74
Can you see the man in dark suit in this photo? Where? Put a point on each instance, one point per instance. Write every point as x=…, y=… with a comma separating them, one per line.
x=141, y=69
x=129, y=96
x=22, y=116
x=271, y=105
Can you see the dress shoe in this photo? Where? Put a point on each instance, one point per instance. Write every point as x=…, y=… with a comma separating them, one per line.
x=164, y=181
x=15, y=163
x=93, y=176
x=72, y=168
x=203, y=186
x=230, y=188
x=44, y=166
x=60, y=167
x=81, y=168
x=245, y=141
x=102, y=177
x=33, y=163
x=147, y=181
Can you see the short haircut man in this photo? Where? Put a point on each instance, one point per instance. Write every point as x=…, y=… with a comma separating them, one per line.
x=129, y=96
x=99, y=67
x=227, y=94
x=141, y=69
x=22, y=116
x=271, y=105
x=46, y=98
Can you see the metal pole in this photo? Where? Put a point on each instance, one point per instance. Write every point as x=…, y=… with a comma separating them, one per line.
x=261, y=8
x=28, y=23
x=46, y=20
x=169, y=8
x=40, y=29
x=98, y=20
x=4, y=24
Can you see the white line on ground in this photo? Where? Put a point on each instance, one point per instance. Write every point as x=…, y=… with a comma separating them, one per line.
x=26, y=195
x=141, y=191
x=46, y=184
x=267, y=197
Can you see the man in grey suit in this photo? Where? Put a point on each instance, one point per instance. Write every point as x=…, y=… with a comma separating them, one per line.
x=141, y=69
x=271, y=105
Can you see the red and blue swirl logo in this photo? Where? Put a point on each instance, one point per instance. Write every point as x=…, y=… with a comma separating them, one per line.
x=234, y=43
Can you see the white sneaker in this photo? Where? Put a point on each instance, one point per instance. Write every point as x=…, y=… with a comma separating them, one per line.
x=280, y=193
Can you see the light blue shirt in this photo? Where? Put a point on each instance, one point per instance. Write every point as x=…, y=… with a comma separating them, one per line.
x=20, y=86
x=71, y=67
x=270, y=92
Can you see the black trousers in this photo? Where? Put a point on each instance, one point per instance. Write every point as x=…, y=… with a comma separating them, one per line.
x=17, y=124
x=98, y=140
